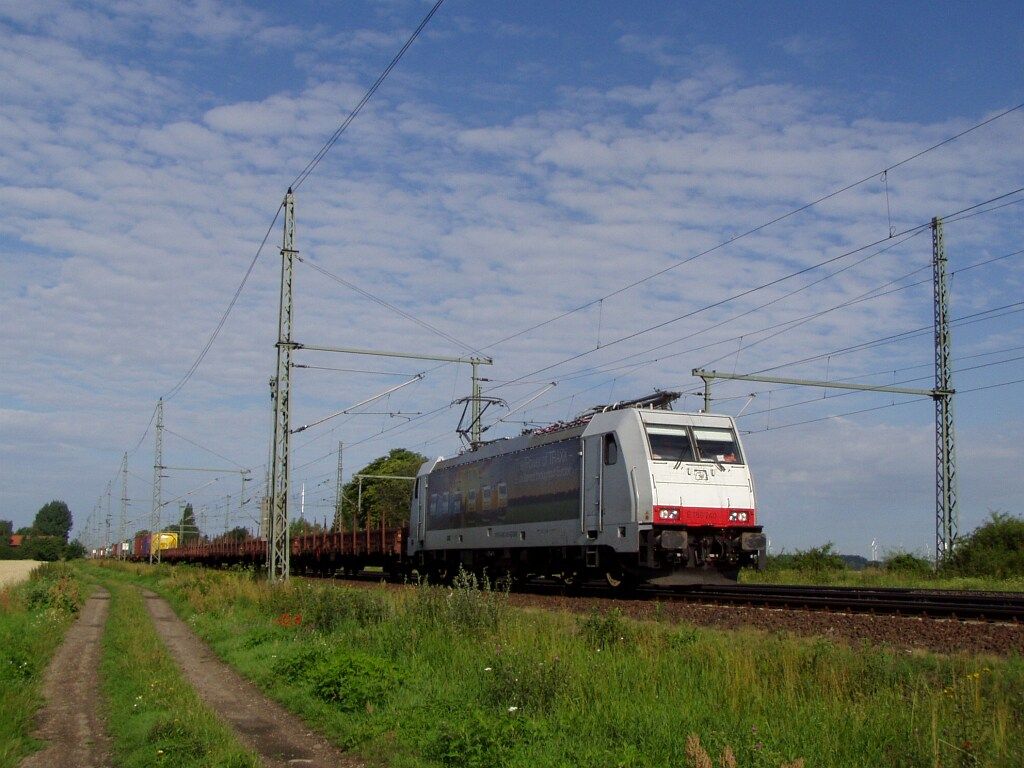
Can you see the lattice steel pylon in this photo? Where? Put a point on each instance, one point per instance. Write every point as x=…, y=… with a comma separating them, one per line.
x=278, y=546
x=124, y=507
x=946, y=513
x=158, y=468
x=338, y=492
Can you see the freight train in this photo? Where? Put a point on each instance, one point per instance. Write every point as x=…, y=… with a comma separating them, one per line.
x=626, y=493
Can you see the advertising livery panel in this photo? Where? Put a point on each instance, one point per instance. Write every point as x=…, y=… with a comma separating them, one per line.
x=538, y=484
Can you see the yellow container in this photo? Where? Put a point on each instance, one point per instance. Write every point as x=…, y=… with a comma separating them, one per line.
x=165, y=540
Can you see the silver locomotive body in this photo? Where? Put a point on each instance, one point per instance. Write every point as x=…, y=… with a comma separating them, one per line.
x=631, y=495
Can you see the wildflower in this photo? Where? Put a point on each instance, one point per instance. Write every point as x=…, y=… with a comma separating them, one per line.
x=513, y=709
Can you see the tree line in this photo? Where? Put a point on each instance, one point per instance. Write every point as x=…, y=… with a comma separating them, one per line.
x=45, y=539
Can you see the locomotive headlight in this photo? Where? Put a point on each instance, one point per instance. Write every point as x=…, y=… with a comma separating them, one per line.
x=742, y=517
x=669, y=514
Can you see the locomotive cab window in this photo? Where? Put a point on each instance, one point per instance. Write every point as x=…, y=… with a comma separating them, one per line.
x=611, y=450
x=717, y=445
x=669, y=443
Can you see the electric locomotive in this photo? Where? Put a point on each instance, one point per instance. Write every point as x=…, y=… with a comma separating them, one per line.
x=629, y=493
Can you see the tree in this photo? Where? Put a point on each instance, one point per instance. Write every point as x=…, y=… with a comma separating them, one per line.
x=74, y=550
x=995, y=548
x=303, y=527
x=7, y=552
x=383, y=498
x=42, y=548
x=53, y=519
x=237, y=534
x=186, y=526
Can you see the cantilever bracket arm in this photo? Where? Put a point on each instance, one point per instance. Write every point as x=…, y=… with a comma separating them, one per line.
x=382, y=353
x=709, y=376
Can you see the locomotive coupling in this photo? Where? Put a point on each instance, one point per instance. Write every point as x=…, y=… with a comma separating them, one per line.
x=673, y=539
x=753, y=542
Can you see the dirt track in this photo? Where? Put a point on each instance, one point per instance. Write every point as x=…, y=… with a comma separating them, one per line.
x=14, y=571
x=71, y=722
x=280, y=738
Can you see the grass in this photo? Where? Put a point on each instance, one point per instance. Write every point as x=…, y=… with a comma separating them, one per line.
x=34, y=616
x=880, y=577
x=154, y=715
x=438, y=677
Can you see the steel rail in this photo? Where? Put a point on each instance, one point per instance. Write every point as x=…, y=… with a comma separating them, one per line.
x=983, y=606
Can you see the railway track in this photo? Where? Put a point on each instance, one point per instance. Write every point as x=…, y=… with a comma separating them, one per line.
x=1001, y=607
x=889, y=601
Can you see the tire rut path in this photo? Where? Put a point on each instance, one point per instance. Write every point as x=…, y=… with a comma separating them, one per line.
x=71, y=720
x=280, y=738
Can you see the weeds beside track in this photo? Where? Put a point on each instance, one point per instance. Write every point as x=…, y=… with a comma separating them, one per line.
x=457, y=677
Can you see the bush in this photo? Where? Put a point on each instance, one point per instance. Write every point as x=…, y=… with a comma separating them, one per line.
x=353, y=680
x=323, y=608
x=821, y=559
x=907, y=563
x=478, y=740
x=603, y=630
x=524, y=679
x=470, y=604
x=53, y=587
x=995, y=548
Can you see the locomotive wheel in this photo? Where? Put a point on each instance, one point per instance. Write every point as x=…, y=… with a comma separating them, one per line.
x=619, y=580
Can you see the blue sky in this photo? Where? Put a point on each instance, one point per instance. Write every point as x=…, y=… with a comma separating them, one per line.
x=522, y=160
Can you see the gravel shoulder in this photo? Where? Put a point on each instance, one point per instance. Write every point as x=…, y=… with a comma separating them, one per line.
x=279, y=737
x=16, y=571
x=71, y=721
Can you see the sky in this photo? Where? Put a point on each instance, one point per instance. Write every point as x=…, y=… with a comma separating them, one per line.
x=576, y=189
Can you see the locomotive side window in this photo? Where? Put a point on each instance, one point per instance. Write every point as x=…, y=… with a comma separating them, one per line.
x=670, y=443
x=717, y=445
x=611, y=450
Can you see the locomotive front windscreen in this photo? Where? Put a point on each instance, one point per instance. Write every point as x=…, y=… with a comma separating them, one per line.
x=717, y=445
x=679, y=443
x=670, y=443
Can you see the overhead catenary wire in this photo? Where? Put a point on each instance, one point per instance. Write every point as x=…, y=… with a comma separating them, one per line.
x=169, y=431
x=388, y=305
x=750, y=291
x=296, y=183
x=322, y=152
x=758, y=228
x=754, y=230
x=879, y=408
x=866, y=296
x=812, y=401
x=966, y=319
